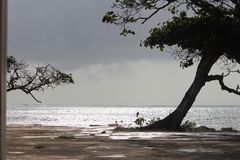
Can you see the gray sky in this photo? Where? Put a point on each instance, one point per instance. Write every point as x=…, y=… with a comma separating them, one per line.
x=108, y=68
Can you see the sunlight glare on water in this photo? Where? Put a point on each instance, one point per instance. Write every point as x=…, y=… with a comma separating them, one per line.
x=84, y=116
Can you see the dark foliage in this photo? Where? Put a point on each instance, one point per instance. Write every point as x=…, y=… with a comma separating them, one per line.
x=201, y=31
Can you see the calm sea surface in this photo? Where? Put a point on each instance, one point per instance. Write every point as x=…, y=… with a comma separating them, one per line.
x=83, y=116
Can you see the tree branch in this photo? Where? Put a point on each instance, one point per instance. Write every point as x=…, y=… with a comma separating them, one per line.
x=156, y=11
x=34, y=97
x=20, y=78
x=219, y=78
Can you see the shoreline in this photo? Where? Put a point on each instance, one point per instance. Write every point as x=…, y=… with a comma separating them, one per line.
x=55, y=142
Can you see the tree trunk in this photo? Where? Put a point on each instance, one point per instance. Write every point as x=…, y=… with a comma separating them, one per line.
x=174, y=120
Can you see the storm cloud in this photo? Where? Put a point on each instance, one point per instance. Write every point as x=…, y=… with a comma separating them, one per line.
x=107, y=68
x=70, y=34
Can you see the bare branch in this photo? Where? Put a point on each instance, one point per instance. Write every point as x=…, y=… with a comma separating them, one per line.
x=156, y=11
x=20, y=77
x=220, y=78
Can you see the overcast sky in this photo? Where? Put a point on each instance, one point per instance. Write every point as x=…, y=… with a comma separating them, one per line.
x=108, y=69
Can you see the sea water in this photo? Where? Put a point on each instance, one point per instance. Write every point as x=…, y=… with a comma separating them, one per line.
x=85, y=116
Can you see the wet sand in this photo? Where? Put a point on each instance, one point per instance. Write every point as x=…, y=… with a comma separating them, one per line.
x=99, y=143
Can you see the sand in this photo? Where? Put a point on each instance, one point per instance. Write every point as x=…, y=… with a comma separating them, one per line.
x=99, y=143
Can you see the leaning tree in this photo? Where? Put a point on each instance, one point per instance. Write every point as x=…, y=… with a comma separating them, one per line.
x=31, y=79
x=200, y=31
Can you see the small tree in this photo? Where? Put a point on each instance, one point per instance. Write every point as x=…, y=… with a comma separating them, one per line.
x=199, y=30
x=139, y=120
x=22, y=77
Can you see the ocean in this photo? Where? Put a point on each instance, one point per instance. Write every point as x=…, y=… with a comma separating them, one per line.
x=86, y=116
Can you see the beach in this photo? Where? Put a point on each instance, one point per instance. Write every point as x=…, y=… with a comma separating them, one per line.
x=38, y=142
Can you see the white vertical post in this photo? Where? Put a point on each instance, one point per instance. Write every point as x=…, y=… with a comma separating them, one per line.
x=3, y=53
